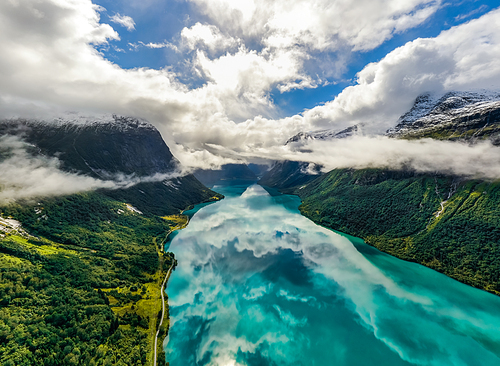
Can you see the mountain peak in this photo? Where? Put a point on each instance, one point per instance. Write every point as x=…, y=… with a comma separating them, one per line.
x=450, y=114
x=325, y=134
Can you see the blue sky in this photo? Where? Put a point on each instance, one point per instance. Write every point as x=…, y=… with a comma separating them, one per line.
x=162, y=21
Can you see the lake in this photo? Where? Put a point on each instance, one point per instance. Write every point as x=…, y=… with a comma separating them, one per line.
x=259, y=284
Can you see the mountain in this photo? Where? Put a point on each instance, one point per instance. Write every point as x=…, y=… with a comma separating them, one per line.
x=209, y=177
x=258, y=169
x=465, y=116
x=105, y=146
x=286, y=174
x=82, y=274
x=444, y=222
x=325, y=134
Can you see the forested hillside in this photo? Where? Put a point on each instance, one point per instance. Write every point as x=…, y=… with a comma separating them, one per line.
x=80, y=275
x=446, y=224
x=80, y=281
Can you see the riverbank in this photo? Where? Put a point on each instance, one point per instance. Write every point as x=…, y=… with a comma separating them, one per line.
x=161, y=322
x=451, y=227
x=260, y=284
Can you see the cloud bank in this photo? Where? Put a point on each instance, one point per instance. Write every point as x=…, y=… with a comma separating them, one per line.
x=27, y=176
x=243, y=52
x=480, y=160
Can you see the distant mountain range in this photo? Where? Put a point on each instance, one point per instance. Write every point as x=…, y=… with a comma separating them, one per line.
x=227, y=172
x=324, y=134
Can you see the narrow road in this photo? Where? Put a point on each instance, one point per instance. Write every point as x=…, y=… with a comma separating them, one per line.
x=162, y=311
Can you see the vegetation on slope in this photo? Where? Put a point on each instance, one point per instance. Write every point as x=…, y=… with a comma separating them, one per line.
x=446, y=224
x=80, y=282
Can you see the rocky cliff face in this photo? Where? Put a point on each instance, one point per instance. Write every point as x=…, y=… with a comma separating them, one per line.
x=105, y=146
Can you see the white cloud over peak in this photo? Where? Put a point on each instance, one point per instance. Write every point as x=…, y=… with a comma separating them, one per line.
x=464, y=57
x=49, y=63
x=124, y=21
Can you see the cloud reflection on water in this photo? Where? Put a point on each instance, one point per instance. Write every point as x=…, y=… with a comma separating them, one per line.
x=259, y=284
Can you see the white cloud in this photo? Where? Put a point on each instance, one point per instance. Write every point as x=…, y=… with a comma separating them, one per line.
x=124, y=21
x=471, y=13
x=49, y=63
x=135, y=46
x=209, y=36
x=27, y=176
x=319, y=24
x=481, y=160
x=318, y=35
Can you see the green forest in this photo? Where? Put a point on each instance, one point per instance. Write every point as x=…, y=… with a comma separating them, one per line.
x=79, y=282
x=449, y=224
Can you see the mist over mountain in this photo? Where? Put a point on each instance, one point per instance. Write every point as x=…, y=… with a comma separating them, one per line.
x=441, y=219
x=125, y=156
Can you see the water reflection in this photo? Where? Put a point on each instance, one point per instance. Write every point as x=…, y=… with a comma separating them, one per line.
x=259, y=284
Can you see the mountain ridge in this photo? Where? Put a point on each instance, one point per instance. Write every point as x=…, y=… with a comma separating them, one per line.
x=109, y=145
x=444, y=222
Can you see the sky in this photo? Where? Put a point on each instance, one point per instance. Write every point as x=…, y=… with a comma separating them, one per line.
x=230, y=81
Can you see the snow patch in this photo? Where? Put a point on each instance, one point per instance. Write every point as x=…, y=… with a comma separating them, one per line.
x=133, y=209
x=430, y=110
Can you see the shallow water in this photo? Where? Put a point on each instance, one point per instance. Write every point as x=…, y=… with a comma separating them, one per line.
x=259, y=284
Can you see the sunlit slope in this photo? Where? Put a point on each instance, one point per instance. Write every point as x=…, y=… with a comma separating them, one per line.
x=80, y=282
x=446, y=224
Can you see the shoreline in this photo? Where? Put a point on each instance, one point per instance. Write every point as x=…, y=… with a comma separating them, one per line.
x=377, y=242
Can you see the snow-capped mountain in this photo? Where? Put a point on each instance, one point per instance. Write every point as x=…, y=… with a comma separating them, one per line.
x=455, y=116
x=324, y=134
x=97, y=145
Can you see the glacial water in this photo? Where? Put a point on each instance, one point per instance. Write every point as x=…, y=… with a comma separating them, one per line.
x=259, y=284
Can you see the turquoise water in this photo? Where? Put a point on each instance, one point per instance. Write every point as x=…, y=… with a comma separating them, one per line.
x=259, y=284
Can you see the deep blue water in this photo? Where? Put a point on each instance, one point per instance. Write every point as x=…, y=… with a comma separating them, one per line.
x=259, y=284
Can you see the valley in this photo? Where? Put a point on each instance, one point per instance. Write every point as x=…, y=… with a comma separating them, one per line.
x=82, y=274
x=249, y=183
x=446, y=222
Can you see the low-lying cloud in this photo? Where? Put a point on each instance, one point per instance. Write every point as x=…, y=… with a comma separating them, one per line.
x=479, y=160
x=27, y=176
